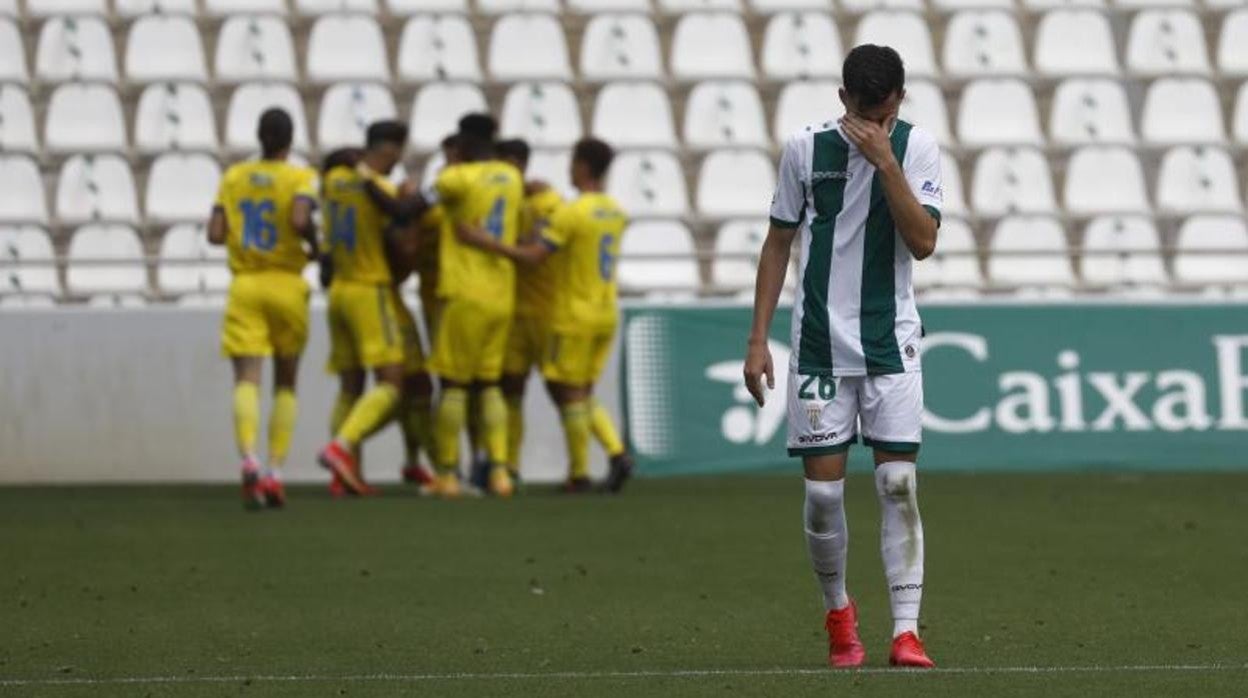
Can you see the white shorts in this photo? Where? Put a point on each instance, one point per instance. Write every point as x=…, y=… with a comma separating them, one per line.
x=827, y=414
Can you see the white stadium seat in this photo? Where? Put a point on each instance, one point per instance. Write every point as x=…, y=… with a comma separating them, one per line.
x=49, y=8
x=954, y=264
x=1104, y=179
x=648, y=183
x=907, y=32
x=804, y=103
x=529, y=47
x=1197, y=180
x=998, y=112
x=1233, y=44
x=1075, y=42
x=620, y=46
x=742, y=237
x=138, y=8
x=27, y=243
x=554, y=168
x=1145, y=4
x=589, y=7
x=84, y=117
x=116, y=301
x=436, y=110
x=924, y=106
x=1167, y=42
x=1086, y=112
x=438, y=48
x=96, y=187
x=346, y=111
x=324, y=7
x=93, y=242
x=162, y=47
x=1219, y=233
x=767, y=7
x=174, y=116
x=634, y=114
x=254, y=48
x=406, y=8
x=676, y=7
x=190, y=241
x=1182, y=110
x=957, y=5
x=951, y=182
x=24, y=199
x=708, y=46
x=735, y=183
x=8, y=8
x=545, y=114
x=724, y=114
x=985, y=43
x=1122, y=251
x=858, y=7
x=1044, y=5
x=1012, y=180
x=1239, y=123
x=75, y=48
x=249, y=101
x=671, y=238
x=802, y=45
x=500, y=7
x=17, y=120
x=225, y=8
x=346, y=47
x=1032, y=234
x=181, y=187
x=12, y=53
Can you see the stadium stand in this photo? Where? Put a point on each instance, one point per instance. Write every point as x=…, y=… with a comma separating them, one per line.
x=1122, y=126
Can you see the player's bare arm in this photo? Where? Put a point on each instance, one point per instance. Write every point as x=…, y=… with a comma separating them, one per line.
x=916, y=226
x=218, y=227
x=773, y=262
x=530, y=253
x=301, y=220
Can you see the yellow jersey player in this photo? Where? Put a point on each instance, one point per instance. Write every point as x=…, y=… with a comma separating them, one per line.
x=535, y=294
x=582, y=243
x=366, y=316
x=477, y=292
x=263, y=214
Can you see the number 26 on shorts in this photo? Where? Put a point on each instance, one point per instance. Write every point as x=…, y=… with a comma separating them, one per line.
x=825, y=386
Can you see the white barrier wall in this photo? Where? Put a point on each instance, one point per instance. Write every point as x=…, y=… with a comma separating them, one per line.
x=99, y=395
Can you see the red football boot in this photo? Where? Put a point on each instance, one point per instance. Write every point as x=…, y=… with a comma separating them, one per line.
x=844, y=648
x=338, y=459
x=253, y=497
x=418, y=474
x=908, y=651
x=274, y=492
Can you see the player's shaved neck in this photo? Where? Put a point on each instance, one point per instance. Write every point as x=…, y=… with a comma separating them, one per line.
x=278, y=156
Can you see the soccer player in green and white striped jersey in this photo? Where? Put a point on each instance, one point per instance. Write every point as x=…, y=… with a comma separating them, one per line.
x=862, y=194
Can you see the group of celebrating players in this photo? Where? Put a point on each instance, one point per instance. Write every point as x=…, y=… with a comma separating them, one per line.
x=511, y=278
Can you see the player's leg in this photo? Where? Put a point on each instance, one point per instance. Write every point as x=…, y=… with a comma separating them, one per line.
x=822, y=413
x=573, y=404
x=892, y=409
x=479, y=469
x=417, y=423
x=620, y=463
x=492, y=341
x=450, y=361
x=525, y=342
x=287, y=311
x=514, y=385
x=246, y=400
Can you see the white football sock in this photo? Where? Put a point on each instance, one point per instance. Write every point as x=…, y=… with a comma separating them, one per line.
x=901, y=542
x=827, y=538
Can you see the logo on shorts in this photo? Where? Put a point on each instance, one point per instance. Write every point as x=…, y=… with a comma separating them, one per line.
x=910, y=352
x=806, y=439
x=813, y=412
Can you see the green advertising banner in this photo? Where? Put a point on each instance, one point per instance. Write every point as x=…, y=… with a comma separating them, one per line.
x=1007, y=387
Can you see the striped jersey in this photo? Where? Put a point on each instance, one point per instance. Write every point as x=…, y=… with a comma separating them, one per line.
x=854, y=313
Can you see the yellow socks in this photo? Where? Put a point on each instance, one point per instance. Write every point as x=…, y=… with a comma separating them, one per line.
x=515, y=432
x=282, y=425
x=246, y=417
x=371, y=411
x=494, y=424
x=342, y=408
x=604, y=428
x=452, y=413
x=417, y=423
x=575, y=417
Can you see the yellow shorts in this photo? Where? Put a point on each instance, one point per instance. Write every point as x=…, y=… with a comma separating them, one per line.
x=525, y=345
x=470, y=341
x=266, y=315
x=369, y=327
x=576, y=358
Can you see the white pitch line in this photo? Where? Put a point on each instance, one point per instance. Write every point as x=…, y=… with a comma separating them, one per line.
x=643, y=674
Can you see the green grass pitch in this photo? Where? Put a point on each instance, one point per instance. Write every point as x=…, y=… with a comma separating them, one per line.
x=1106, y=585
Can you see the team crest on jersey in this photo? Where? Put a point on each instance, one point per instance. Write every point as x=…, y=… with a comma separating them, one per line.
x=910, y=352
x=813, y=412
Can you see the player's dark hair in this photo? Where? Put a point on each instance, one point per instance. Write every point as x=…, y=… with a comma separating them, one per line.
x=276, y=131
x=387, y=131
x=513, y=149
x=872, y=74
x=450, y=141
x=596, y=155
x=342, y=157
x=475, y=138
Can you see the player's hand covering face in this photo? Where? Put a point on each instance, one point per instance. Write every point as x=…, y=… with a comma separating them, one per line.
x=870, y=137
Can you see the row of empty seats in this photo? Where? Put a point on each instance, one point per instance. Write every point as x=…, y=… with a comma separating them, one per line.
x=84, y=117
x=652, y=183
x=533, y=46
x=1023, y=252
